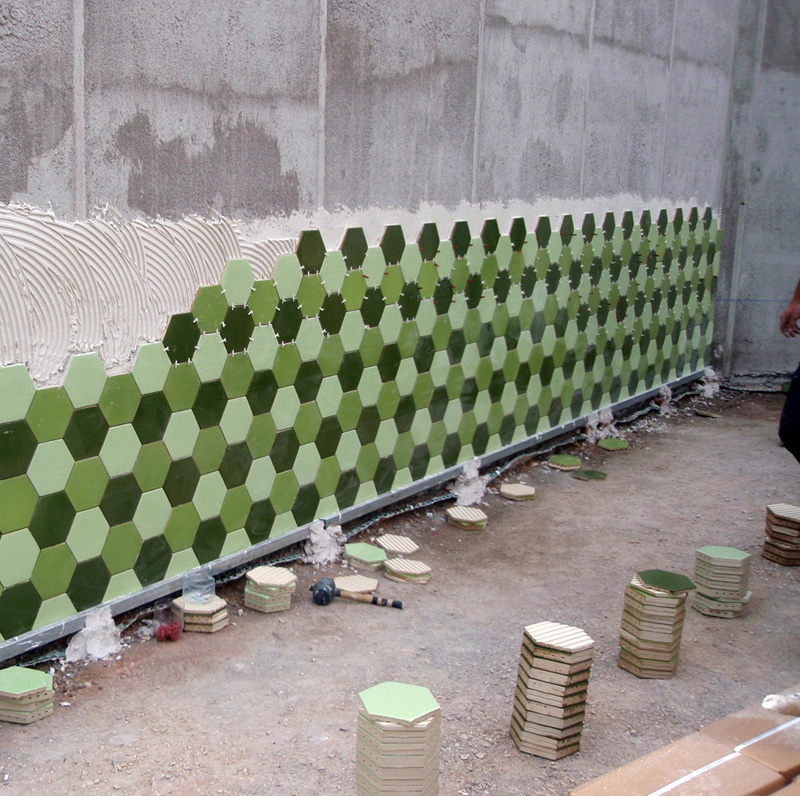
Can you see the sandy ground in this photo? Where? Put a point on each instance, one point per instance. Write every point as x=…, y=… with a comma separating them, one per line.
x=269, y=705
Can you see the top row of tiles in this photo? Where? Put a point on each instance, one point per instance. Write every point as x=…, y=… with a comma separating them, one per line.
x=311, y=249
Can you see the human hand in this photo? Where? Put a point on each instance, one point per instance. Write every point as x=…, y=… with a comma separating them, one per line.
x=789, y=319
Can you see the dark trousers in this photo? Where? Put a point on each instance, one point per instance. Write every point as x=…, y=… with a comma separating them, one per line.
x=789, y=428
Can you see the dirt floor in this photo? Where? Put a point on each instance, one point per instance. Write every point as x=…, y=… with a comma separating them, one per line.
x=268, y=706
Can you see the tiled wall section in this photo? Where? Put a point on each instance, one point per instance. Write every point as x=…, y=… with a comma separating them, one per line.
x=353, y=372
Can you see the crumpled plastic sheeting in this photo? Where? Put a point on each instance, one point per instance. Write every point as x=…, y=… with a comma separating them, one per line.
x=601, y=426
x=99, y=638
x=470, y=486
x=324, y=545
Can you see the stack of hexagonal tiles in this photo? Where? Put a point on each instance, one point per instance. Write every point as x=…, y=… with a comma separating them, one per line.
x=26, y=695
x=350, y=374
x=721, y=575
x=550, y=700
x=397, y=746
x=269, y=589
x=782, y=544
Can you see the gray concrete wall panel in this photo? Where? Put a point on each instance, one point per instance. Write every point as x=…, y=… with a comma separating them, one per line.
x=36, y=142
x=644, y=26
x=202, y=112
x=533, y=88
x=782, y=50
x=400, y=102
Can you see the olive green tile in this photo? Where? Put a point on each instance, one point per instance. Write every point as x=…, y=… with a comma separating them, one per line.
x=311, y=294
x=50, y=467
x=209, y=308
x=120, y=399
x=210, y=357
x=18, y=554
x=331, y=354
x=17, y=502
x=181, y=387
x=288, y=276
x=151, y=466
x=349, y=411
x=121, y=548
x=327, y=477
x=260, y=478
x=152, y=514
x=388, y=400
x=237, y=281
x=237, y=374
x=86, y=483
x=182, y=527
x=263, y=301
x=392, y=284
x=235, y=508
x=88, y=534
x=287, y=364
x=260, y=436
x=284, y=491
x=354, y=290
x=53, y=571
x=208, y=496
x=49, y=413
x=151, y=368
x=285, y=407
x=120, y=450
x=307, y=422
x=84, y=383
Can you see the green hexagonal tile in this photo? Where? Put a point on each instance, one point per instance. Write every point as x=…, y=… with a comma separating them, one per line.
x=17, y=502
x=49, y=413
x=263, y=347
x=53, y=571
x=331, y=354
x=121, y=548
x=182, y=527
x=236, y=420
x=285, y=408
x=88, y=534
x=234, y=542
x=307, y=463
x=237, y=374
x=86, y=483
x=83, y=383
x=54, y=610
x=307, y=423
x=311, y=294
x=120, y=450
x=18, y=554
x=182, y=561
x=353, y=290
x=209, y=308
x=369, y=386
x=181, y=386
x=333, y=271
x=208, y=496
x=392, y=284
x=374, y=266
x=210, y=357
x=288, y=276
x=310, y=339
x=122, y=584
x=260, y=478
x=284, y=491
x=152, y=514
x=237, y=281
x=388, y=400
x=287, y=364
x=181, y=434
x=261, y=435
x=120, y=399
x=327, y=477
x=50, y=467
x=151, y=368
x=386, y=439
x=235, y=508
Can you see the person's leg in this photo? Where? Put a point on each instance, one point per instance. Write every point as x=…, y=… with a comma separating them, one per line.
x=789, y=427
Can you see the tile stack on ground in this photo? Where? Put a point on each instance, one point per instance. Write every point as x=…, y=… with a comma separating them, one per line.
x=518, y=491
x=363, y=555
x=552, y=681
x=358, y=584
x=467, y=518
x=269, y=589
x=407, y=570
x=652, y=623
x=398, y=740
x=26, y=695
x=397, y=545
x=782, y=544
x=721, y=575
x=207, y=617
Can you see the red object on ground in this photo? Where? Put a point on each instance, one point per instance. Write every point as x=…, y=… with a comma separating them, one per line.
x=171, y=631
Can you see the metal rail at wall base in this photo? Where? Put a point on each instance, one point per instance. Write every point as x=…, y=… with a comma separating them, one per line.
x=58, y=630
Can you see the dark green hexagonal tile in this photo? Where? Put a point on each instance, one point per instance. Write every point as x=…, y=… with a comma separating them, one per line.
x=52, y=519
x=17, y=446
x=311, y=251
x=86, y=432
x=236, y=329
x=181, y=337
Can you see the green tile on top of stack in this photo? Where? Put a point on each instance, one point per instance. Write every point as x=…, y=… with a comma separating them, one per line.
x=26, y=695
x=467, y=518
x=397, y=742
x=269, y=589
x=364, y=555
x=721, y=575
x=652, y=623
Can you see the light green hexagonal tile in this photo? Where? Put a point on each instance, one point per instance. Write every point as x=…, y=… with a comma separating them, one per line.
x=307, y=463
x=18, y=554
x=347, y=450
x=374, y=266
x=288, y=276
x=352, y=332
x=237, y=281
x=369, y=386
x=452, y=417
x=182, y=561
x=329, y=396
x=284, y=492
x=17, y=502
x=285, y=408
x=410, y=262
x=53, y=571
x=235, y=508
x=308, y=422
x=210, y=357
x=120, y=450
x=151, y=368
x=49, y=413
x=284, y=523
x=333, y=271
x=54, y=610
x=309, y=339
x=181, y=434
x=88, y=534
x=406, y=376
x=263, y=347
x=420, y=427
x=366, y=491
x=208, y=496
x=152, y=514
x=122, y=584
x=260, y=478
x=83, y=383
x=120, y=399
x=236, y=420
x=234, y=542
x=209, y=308
x=386, y=438
x=50, y=467
x=440, y=367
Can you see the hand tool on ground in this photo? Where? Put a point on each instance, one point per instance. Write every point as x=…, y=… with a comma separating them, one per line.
x=323, y=592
